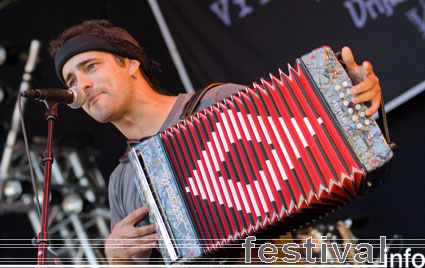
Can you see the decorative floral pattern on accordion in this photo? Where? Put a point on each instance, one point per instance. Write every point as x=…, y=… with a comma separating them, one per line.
x=172, y=204
x=334, y=83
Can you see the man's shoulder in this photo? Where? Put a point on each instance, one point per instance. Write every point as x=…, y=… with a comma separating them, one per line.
x=219, y=93
x=224, y=90
x=121, y=170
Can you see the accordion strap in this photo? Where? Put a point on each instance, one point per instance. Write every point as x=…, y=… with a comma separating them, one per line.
x=383, y=124
x=194, y=101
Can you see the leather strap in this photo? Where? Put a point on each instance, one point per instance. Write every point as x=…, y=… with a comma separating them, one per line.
x=383, y=124
x=194, y=101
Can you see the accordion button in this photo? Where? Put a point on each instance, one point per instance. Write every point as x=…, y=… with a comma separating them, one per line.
x=358, y=106
x=355, y=117
x=337, y=87
x=362, y=114
x=345, y=84
x=367, y=122
x=341, y=95
x=345, y=102
x=359, y=126
x=350, y=110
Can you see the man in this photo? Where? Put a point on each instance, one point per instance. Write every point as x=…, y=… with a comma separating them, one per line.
x=112, y=68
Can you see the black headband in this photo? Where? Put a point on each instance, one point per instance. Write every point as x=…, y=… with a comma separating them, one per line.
x=89, y=42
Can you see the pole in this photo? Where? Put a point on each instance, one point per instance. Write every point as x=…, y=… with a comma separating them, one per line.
x=172, y=48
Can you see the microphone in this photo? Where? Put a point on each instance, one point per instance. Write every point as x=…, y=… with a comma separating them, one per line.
x=74, y=97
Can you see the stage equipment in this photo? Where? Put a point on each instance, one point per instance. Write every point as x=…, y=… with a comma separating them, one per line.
x=264, y=161
x=79, y=216
x=77, y=238
x=12, y=190
x=14, y=128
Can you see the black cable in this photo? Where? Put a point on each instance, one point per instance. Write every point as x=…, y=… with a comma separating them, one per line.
x=27, y=149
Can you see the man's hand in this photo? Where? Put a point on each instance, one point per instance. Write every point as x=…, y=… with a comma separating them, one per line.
x=127, y=241
x=367, y=86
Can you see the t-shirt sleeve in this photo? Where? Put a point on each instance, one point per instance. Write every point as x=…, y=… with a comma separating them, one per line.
x=218, y=93
x=123, y=194
x=116, y=203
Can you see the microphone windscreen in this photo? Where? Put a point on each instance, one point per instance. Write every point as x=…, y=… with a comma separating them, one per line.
x=79, y=97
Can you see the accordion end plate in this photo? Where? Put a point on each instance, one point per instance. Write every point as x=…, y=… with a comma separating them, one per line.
x=361, y=132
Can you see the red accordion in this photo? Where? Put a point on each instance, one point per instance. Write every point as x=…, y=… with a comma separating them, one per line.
x=268, y=159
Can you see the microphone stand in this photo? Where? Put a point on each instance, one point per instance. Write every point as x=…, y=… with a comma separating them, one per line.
x=42, y=237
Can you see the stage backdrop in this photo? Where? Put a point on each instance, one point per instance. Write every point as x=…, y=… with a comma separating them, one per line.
x=243, y=40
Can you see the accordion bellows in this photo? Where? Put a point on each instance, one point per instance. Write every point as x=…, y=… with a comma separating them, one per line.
x=266, y=160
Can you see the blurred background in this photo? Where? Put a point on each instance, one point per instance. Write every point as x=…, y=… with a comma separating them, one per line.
x=235, y=41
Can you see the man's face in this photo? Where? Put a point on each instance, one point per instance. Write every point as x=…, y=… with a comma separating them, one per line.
x=106, y=83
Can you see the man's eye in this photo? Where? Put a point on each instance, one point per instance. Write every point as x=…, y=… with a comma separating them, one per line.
x=72, y=83
x=91, y=66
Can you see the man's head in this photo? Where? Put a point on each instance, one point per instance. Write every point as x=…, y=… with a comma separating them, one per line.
x=112, y=88
x=108, y=64
x=99, y=35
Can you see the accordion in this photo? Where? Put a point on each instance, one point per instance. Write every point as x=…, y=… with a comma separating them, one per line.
x=268, y=159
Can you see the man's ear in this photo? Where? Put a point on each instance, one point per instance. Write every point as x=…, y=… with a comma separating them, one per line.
x=134, y=66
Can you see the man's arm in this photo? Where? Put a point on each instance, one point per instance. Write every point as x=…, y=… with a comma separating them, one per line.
x=127, y=242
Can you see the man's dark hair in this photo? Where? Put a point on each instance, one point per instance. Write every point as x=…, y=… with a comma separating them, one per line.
x=112, y=34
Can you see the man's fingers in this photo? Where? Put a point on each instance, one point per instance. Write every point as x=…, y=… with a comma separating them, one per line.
x=375, y=105
x=148, y=239
x=144, y=230
x=136, y=232
x=126, y=240
x=143, y=244
x=366, y=96
x=348, y=58
x=366, y=86
x=130, y=242
x=136, y=216
x=367, y=67
x=136, y=249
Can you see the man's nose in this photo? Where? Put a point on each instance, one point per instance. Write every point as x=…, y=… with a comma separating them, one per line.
x=85, y=83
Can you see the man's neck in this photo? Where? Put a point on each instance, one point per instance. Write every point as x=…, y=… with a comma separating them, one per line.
x=146, y=116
